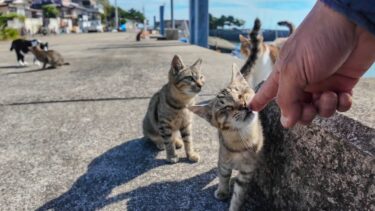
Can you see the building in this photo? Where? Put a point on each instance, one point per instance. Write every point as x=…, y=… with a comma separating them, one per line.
x=33, y=17
x=75, y=15
x=20, y=7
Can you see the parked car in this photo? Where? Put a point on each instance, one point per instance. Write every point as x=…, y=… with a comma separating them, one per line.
x=92, y=26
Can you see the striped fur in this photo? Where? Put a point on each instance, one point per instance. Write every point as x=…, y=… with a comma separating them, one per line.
x=256, y=41
x=51, y=57
x=168, y=121
x=240, y=137
x=261, y=57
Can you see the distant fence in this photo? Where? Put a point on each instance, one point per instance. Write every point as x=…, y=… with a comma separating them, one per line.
x=232, y=35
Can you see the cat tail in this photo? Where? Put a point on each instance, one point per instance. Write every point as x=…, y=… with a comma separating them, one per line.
x=12, y=46
x=288, y=24
x=66, y=63
x=256, y=40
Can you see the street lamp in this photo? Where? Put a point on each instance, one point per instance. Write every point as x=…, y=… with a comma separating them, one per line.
x=116, y=15
x=172, y=17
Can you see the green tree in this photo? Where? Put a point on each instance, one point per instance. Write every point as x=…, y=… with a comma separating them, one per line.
x=132, y=14
x=135, y=15
x=224, y=21
x=106, y=8
x=50, y=11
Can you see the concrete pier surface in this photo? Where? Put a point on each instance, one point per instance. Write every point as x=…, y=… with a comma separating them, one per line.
x=71, y=138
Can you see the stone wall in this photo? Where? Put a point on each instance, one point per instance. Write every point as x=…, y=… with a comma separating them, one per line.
x=327, y=165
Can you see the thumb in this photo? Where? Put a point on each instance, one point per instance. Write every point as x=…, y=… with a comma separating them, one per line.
x=290, y=97
x=266, y=93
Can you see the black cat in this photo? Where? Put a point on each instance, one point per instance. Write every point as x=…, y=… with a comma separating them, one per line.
x=21, y=47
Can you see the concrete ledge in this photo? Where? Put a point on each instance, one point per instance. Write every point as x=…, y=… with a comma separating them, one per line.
x=328, y=165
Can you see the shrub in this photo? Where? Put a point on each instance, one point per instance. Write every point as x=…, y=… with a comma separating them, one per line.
x=50, y=11
x=4, y=18
x=9, y=34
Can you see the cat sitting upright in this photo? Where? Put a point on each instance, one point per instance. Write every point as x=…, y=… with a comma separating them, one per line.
x=168, y=119
x=240, y=136
x=51, y=57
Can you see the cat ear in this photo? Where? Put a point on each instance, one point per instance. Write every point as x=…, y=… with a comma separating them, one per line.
x=237, y=75
x=177, y=64
x=202, y=109
x=198, y=63
x=243, y=39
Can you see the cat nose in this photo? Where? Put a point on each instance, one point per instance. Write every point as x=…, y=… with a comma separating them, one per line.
x=199, y=85
x=245, y=107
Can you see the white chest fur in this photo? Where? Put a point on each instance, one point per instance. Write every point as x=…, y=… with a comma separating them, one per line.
x=263, y=67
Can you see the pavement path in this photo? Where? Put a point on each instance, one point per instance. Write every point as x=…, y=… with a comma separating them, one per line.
x=70, y=138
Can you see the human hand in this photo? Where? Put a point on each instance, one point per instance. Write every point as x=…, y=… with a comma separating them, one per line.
x=318, y=67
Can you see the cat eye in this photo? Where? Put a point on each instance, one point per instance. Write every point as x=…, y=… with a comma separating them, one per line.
x=189, y=78
x=228, y=108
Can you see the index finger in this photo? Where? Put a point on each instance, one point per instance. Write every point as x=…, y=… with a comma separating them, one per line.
x=266, y=93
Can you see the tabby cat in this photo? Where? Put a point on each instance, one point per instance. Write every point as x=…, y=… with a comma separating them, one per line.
x=261, y=56
x=51, y=57
x=240, y=136
x=168, y=119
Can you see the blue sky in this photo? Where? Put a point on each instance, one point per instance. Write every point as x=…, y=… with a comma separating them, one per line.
x=269, y=11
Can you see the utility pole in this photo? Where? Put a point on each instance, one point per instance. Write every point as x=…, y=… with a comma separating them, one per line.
x=116, y=15
x=172, y=17
x=199, y=22
x=145, y=20
x=162, y=20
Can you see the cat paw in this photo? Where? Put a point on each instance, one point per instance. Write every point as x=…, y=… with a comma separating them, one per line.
x=194, y=157
x=173, y=159
x=179, y=143
x=221, y=195
x=161, y=147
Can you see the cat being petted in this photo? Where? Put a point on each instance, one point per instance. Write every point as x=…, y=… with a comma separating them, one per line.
x=51, y=57
x=240, y=136
x=168, y=122
x=261, y=56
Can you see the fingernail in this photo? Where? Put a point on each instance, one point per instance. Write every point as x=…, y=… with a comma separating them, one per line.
x=284, y=121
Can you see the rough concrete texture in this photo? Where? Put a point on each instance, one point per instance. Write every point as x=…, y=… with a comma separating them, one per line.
x=329, y=165
x=363, y=109
x=71, y=139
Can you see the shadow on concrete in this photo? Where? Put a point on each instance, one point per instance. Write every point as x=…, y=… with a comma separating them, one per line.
x=115, y=167
x=29, y=71
x=188, y=194
x=122, y=164
x=12, y=67
x=145, y=45
x=78, y=100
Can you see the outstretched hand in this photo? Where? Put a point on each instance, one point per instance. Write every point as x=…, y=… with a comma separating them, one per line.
x=318, y=67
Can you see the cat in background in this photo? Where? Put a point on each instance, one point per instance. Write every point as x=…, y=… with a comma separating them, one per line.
x=240, y=136
x=261, y=56
x=51, y=57
x=21, y=47
x=168, y=119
